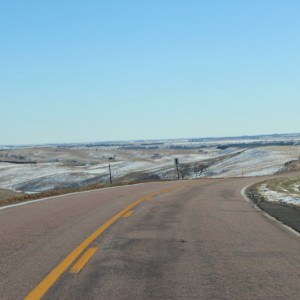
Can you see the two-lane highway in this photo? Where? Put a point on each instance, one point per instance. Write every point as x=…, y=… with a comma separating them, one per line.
x=170, y=240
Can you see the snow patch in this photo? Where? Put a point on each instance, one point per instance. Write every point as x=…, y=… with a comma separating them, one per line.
x=277, y=197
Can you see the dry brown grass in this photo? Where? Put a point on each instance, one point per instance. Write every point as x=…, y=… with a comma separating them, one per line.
x=9, y=197
x=7, y=194
x=288, y=186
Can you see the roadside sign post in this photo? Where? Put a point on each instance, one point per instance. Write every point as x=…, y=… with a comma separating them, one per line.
x=176, y=162
x=110, y=180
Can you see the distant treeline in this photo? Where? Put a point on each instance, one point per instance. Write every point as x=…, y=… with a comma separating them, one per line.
x=17, y=162
x=104, y=145
x=236, y=145
x=128, y=146
x=257, y=144
x=246, y=137
x=187, y=147
x=152, y=144
x=140, y=147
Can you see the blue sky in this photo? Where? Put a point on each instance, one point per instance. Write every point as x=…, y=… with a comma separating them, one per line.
x=78, y=71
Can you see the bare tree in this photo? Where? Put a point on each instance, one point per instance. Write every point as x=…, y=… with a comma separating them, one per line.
x=184, y=170
x=199, y=168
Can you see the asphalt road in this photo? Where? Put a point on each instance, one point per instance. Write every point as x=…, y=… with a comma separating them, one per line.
x=171, y=240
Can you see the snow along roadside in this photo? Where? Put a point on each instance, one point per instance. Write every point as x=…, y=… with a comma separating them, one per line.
x=265, y=214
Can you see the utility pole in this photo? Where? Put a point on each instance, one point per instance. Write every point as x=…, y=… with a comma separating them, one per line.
x=110, y=180
x=176, y=161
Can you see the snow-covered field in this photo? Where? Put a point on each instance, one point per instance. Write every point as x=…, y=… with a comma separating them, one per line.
x=255, y=162
x=71, y=166
x=44, y=175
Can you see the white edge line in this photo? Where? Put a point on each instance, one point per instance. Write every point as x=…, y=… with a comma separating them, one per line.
x=64, y=195
x=265, y=214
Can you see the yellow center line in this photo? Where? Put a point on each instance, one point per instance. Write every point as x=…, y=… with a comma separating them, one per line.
x=52, y=277
x=128, y=214
x=83, y=260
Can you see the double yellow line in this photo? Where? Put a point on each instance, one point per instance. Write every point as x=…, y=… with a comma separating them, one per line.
x=53, y=276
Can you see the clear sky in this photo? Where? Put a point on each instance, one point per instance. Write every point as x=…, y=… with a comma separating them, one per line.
x=84, y=70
